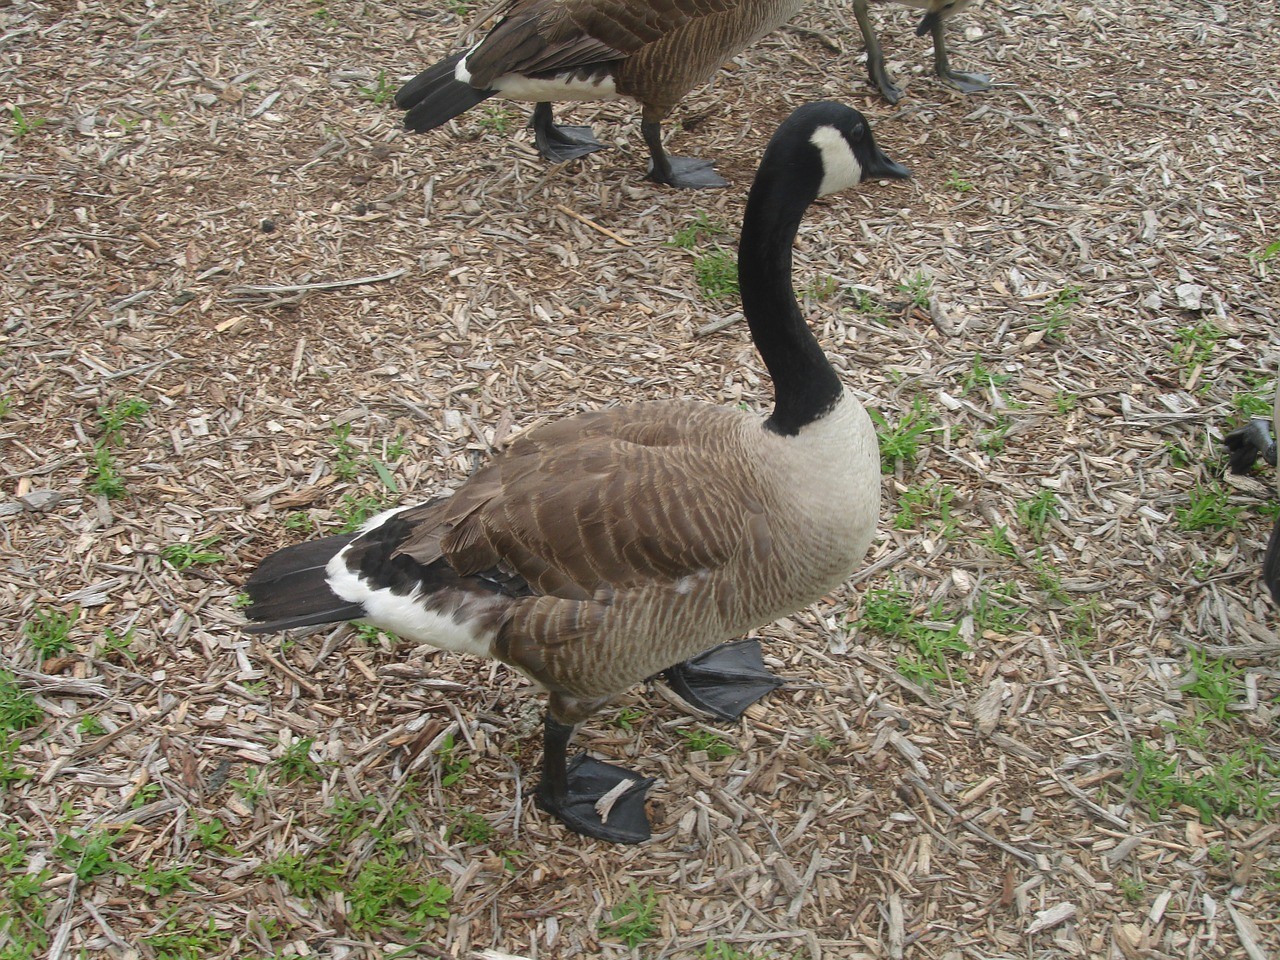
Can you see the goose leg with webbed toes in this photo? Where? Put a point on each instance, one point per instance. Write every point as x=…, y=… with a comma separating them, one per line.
x=559, y=143
x=588, y=796
x=964, y=82
x=725, y=680
x=688, y=173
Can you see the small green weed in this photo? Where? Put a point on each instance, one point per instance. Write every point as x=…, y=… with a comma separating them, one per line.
x=295, y=762
x=997, y=541
x=213, y=834
x=104, y=477
x=902, y=442
x=1213, y=680
x=891, y=612
x=471, y=827
x=957, y=183
x=823, y=289
x=18, y=709
x=980, y=377
x=355, y=510
x=1196, y=344
x=1055, y=319
x=50, y=631
x=91, y=726
x=1208, y=507
x=923, y=502
x=117, y=416
x=821, y=743
x=916, y=289
x=1132, y=890
x=23, y=125
x=452, y=768
x=865, y=304
x=714, y=745
x=381, y=91
x=162, y=881
x=382, y=890
x=1264, y=254
x=88, y=855
x=299, y=521
x=699, y=229
x=181, y=556
x=716, y=273
x=347, y=465
x=10, y=773
x=1036, y=513
x=306, y=875
x=1177, y=454
x=6, y=405
x=117, y=646
x=627, y=718
x=633, y=920
x=719, y=950
x=192, y=942
x=1065, y=402
x=995, y=610
x=496, y=120
x=993, y=441
x=253, y=787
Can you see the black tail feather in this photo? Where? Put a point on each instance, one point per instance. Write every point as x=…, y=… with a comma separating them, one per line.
x=436, y=96
x=289, y=589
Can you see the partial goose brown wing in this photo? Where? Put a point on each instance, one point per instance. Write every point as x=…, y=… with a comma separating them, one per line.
x=548, y=36
x=603, y=502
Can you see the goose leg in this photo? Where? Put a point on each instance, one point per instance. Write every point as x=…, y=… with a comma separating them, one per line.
x=725, y=680
x=688, y=173
x=1247, y=443
x=559, y=144
x=964, y=82
x=570, y=790
x=875, y=57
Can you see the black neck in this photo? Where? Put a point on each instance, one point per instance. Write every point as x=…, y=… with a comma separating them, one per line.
x=804, y=383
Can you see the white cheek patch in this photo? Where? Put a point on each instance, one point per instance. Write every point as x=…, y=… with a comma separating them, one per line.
x=840, y=168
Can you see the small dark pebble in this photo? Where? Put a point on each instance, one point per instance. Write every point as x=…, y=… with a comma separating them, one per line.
x=268, y=226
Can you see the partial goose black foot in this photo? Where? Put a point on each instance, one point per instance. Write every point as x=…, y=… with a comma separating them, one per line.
x=1247, y=443
x=558, y=144
x=688, y=173
x=588, y=781
x=725, y=680
x=570, y=791
x=966, y=82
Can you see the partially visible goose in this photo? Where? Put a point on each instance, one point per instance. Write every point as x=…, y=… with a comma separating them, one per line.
x=1244, y=446
x=651, y=51
x=937, y=13
x=599, y=550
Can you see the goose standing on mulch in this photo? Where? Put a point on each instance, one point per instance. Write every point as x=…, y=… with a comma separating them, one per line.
x=602, y=549
x=1244, y=446
x=651, y=51
x=937, y=13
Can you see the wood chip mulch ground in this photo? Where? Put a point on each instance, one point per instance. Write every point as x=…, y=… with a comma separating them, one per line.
x=240, y=307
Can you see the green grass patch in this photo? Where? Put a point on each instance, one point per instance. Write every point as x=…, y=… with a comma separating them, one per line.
x=104, y=476
x=902, y=441
x=716, y=273
x=715, y=746
x=698, y=230
x=634, y=919
x=1208, y=508
x=49, y=631
x=182, y=556
x=18, y=709
x=452, y=767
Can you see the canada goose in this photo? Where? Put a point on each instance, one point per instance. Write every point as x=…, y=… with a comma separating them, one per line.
x=1244, y=446
x=651, y=51
x=596, y=551
x=937, y=13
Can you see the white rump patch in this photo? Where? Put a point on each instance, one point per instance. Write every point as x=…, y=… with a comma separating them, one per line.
x=404, y=614
x=564, y=87
x=840, y=168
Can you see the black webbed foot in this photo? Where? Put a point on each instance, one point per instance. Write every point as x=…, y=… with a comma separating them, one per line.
x=588, y=781
x=688, y=173
x=966, y=82
x=558, y=144
x=1245, y=444
x=725, y=680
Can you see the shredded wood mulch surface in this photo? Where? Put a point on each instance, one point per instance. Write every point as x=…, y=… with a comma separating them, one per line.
x=212, y=208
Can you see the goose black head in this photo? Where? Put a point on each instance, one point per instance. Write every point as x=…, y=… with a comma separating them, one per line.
x=843, y=151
